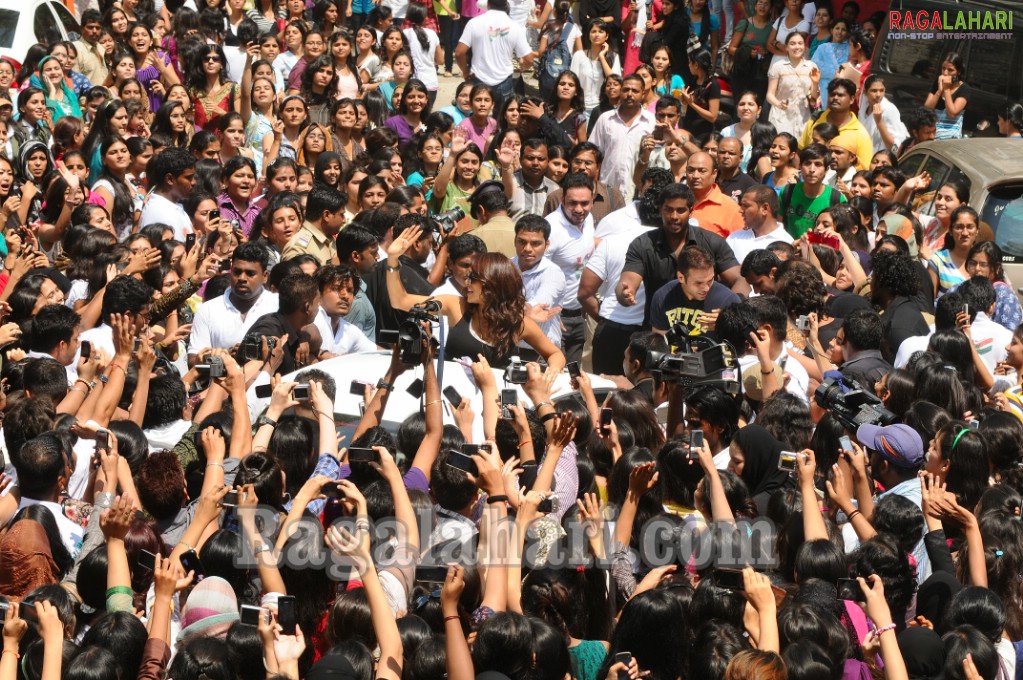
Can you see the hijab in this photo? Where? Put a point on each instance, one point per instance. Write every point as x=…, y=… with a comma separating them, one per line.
x=27, y=559
x=760, y=471
x=923, y=653
x=322, y=162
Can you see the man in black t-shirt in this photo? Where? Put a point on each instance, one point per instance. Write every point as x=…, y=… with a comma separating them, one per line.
x=690, y=304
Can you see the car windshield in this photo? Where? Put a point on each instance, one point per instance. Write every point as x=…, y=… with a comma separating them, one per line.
x=1003, y=211
x=8, y=27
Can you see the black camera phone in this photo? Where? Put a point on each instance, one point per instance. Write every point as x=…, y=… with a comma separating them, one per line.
x=574, y=371
x=86, y=349
x=190, y=562
x=606, y=415
x=287, y=614
x=730, y=579
x=358, y=455
x=460, y=461
x=509, y=397
x=453, y=397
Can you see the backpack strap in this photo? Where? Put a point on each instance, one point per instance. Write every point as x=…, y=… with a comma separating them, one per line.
x=835, y=198
x=786, y=199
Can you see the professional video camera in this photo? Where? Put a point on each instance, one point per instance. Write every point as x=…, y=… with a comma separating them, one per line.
x=447, y=220
x=850, y=404
x=411, y=333
x=699, y=361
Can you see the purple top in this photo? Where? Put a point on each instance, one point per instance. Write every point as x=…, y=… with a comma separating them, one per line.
x=400, y=127
x=479, y=136
x=147, y=75
x=245, y=219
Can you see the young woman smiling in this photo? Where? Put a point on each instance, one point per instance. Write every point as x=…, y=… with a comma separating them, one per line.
x=259, y=112
x=344, y=118
x=948, y=266
x=414, y=106
x=749, y=110
x=236, y=201
x=152, y=67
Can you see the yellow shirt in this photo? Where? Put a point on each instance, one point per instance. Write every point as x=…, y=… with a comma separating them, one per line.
x=853, y=129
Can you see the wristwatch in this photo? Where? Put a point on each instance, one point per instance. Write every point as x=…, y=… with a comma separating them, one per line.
x=263, y=420
x=381, y=385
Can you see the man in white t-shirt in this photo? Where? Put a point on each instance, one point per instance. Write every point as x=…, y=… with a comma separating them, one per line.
x=337, y=285
x=171, y=173
x=42, y=468
x=494, y=39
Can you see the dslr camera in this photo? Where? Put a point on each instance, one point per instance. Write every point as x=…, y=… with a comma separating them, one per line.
x=447, y=220
x=852, y=405
x=252, y=347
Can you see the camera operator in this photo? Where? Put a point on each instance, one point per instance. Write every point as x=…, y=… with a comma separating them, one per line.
x=860, y=341
x=489, y=320
x=490, y=206
x=414, y=276
x=298, y=299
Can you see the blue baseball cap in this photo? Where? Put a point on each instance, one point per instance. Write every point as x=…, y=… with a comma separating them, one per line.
x=899, y=444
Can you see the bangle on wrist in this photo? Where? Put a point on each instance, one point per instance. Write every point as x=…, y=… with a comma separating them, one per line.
x=521, y=444
x=452, y=617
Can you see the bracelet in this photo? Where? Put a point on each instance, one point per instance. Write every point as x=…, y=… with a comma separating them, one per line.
x=215, y=464
x=853, y=514
x=453, y=617
x=186, y=545
x=544, y=403
x=763, y=372
x=18, y=656
x=87, y=385
x=548, y=416
x=118, y=366
x=878, y=632
x=521, y=444
x=391, y=269
x=431, y=403
x=78, y=389
x=497, y=499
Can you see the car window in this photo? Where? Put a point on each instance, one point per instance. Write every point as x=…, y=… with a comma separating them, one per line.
x=44, y=26
x=8, y=26
x=66, y=18
x=918, y=58
x=939, y=171
x=911, y=165
x=986, y=65
x=1003, y=210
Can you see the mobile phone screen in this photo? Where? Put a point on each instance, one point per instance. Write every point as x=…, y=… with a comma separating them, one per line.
x=287, y=614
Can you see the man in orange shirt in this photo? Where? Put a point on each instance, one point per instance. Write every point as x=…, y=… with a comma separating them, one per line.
x=714, y=211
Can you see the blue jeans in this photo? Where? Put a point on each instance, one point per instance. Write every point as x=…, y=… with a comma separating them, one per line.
x=501, y=91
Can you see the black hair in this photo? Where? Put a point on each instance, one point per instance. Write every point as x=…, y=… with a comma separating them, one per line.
x=165, y=403
x=504, y=641
x=863, y=330
x=963, y=641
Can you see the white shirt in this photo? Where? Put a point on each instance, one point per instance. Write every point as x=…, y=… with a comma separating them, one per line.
x=909, y=346
x=569, y=248
x=622, y=221
x=398, y=8
x=348, y=339
x=166, y=436
x=745, y=241
x=990, y=339
x=892, y=120
x=218, y=323
x=608, y=262
x=494, y=39
x=544, y=284
x=159, y=210
x=591, y=76
x=72, y=534
x=101, y=337
x=424, y=59
x=620, y=142
x=798, y=382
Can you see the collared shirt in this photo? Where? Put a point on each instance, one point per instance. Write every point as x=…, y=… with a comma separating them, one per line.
x=651, y=258
x=745, y=241
x=718, y=213
x=247, y=218
x=570, y=247
x=347, y=339
x=499, y=235
x=362, y=315
x=528, y=200
x=91, y=62
x=310, y=241
x=606, y=200
x=161, y=210
x=218, y=323
x=853, y=127
x=620, y=140
x=544, y=284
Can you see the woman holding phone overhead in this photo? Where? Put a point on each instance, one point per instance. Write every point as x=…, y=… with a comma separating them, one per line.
x=490, y=320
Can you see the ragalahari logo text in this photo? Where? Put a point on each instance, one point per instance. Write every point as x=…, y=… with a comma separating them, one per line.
x=946, y=25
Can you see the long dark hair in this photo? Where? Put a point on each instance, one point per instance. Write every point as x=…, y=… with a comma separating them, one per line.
x=577, y=102
x=124, y=207
x=162, y=124
x=196, y=76
x=415, y=16
x=351, y=62
x=507, y=306
x=37, y=513
x=100, y=129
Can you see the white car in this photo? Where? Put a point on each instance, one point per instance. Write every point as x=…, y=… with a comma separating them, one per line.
x=22, y=24
x=369, y=366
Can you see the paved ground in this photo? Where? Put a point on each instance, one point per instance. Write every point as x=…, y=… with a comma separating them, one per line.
x=446, y=93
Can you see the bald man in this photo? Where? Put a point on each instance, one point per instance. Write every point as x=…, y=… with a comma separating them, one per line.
x=713, y=210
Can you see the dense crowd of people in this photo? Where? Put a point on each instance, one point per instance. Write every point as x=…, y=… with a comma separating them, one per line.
x=802, y=458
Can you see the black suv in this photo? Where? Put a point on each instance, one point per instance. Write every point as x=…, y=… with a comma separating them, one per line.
x=994, y=68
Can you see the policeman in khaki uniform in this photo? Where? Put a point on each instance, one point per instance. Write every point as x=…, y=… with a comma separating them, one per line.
x=325, y=215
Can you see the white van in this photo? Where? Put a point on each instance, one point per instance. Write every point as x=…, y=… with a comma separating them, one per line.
x=25, y=23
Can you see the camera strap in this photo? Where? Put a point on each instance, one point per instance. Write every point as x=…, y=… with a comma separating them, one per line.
x=440, y=351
